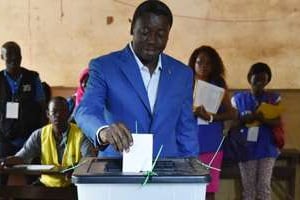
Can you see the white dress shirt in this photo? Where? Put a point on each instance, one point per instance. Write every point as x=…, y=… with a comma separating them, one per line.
x=150, y=82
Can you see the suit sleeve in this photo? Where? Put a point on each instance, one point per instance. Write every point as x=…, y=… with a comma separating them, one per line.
x=89, y=114
x=187, y=137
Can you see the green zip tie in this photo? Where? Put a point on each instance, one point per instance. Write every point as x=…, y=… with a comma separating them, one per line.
x=152, y=173
x=74, y=167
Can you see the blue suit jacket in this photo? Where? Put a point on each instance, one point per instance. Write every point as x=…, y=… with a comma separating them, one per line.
x=116, y=93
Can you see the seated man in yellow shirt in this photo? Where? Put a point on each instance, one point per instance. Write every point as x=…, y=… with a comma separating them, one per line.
x=59, y=143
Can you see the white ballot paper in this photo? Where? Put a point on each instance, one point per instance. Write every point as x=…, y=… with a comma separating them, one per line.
x=139, y=157
x=208, y=95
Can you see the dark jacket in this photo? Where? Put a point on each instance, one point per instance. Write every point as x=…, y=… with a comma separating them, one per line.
x=30, y=111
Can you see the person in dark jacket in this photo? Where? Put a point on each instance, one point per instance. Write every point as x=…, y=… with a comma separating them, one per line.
x=22, y=102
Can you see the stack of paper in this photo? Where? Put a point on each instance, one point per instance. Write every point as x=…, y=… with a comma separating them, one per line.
x=208, y=95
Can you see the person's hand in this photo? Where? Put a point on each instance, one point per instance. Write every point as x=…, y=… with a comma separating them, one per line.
x=13, y=160
x=248, y=118
x=68, y=175
x=259, y=116
x=117, y=135
x=10, y=161
x=197, y=165
x=202, y=113
x=2, y=163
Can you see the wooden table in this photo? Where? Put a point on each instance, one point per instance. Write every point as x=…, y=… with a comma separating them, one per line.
x=17, y=187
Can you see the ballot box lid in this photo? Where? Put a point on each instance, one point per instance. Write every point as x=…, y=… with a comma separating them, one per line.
x=108, y=170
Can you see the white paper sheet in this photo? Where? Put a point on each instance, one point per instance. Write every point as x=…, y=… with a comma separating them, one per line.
x=201, y=121
x=208, y=95
x=139, y=157
x=34, y=167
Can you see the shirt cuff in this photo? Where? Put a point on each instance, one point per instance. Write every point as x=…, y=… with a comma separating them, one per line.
x=98, y=136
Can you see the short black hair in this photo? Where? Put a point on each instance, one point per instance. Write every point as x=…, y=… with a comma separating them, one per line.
x=259, y=68
x=12, y=45
x=59, y=99
x=152, y=6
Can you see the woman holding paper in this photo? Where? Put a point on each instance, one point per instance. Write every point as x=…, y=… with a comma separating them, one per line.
x=211, y=106
x=256, y=122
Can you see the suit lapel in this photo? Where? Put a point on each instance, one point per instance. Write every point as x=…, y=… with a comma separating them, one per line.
x=165, y=81
x=132, y=73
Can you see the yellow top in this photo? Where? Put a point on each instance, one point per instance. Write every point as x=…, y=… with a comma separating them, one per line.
x=49, y=156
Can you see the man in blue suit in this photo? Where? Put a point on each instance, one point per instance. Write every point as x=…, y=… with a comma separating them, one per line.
x=141, y=87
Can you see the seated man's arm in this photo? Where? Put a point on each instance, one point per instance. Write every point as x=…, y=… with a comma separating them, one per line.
x=87, y=149
x=32, y=147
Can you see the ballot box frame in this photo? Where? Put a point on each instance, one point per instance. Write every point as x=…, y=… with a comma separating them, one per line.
x=187, y=182
x=115, y=175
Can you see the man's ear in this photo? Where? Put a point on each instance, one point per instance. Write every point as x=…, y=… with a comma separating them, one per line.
x=131, y=31
x=47, y=113
x=131, y=27
x=2, y=52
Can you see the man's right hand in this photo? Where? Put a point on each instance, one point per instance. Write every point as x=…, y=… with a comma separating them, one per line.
x=117, y=135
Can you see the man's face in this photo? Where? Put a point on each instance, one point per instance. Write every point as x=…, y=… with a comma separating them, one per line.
x=11, y=56
x=58, y=114
x=150, y=36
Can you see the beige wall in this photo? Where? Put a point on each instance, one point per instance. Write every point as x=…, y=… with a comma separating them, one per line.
x=58, y=37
